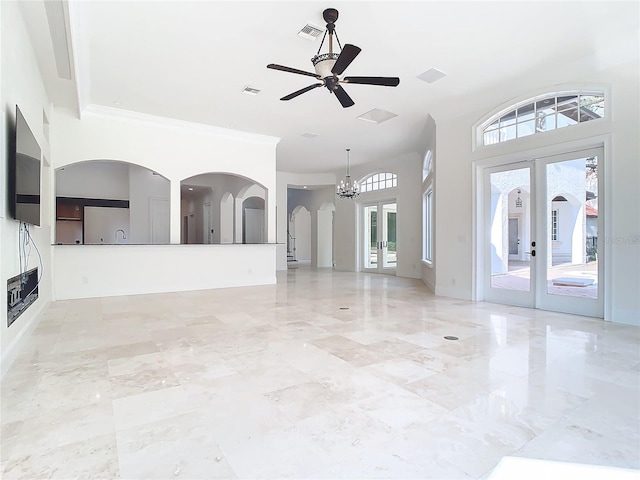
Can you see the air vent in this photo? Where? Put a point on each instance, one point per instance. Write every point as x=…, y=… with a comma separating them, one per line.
x=250, y=90
x=309, y=135
x=310, y=32
x=377, y=116
x=431, y=75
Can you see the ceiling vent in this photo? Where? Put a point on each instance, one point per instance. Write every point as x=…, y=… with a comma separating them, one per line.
x=309, y=135
x=431, y=75
x=250, y=90
x=310, y=32
x=377, y=116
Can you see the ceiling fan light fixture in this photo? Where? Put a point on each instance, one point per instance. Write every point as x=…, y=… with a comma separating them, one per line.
x=324, y=62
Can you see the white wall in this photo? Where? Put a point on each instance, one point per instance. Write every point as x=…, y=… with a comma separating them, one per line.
x=162, y=145
x=313, y=200
x=144, y=187
x=428, y=144
x=105, y=180
x=107, y=270
x=102, y=225
x=621, y=174
x=22, y=84
x=325, y=237
x=284, y=179
x=408, y=197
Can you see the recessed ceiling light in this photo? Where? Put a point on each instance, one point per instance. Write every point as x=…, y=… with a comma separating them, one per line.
x=309, y=135
x=377, y=116
x=304, y=186
x=249, y=90
x=191, y=189
x=431, y=75
x=117, y=104
x=310, y=31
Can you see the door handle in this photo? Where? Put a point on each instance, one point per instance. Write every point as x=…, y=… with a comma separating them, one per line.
x=532, y=253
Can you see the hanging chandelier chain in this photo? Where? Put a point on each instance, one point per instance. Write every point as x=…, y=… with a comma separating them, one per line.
x=348, y=162
x=347, y=188
x=338, y=40
x=322, y=42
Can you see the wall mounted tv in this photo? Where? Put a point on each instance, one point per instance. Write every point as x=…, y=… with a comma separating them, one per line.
x=24, y=173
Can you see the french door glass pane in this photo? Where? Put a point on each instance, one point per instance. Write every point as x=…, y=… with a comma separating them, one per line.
x=572, y=227
x=509, y=225
x=389, y=233
x=371, y=236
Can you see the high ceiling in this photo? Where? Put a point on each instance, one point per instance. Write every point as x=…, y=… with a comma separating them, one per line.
x=190, y=60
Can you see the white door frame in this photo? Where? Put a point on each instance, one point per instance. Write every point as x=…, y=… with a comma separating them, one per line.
x=382, y=248
x=544, y=156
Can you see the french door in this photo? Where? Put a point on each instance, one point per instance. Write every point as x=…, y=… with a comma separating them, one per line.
x=541, y=221
x=379, y=237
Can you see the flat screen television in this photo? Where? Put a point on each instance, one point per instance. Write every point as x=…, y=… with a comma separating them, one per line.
x=24, y=173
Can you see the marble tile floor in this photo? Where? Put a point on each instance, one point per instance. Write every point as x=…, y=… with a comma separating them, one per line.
x=324, y=375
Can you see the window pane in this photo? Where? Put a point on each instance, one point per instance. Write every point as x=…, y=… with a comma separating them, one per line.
x=526, y=128
x=545, y=120
x=491, y=136
x=525, y=113
x=507, y=133
x=591, y=107
x=564, y=119
x=568, y=108
x=546, y=103
x=508, y=119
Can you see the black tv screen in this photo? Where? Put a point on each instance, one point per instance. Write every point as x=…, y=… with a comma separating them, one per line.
x=24, y=174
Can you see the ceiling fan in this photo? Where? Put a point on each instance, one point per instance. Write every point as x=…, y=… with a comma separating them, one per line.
x=329, y=65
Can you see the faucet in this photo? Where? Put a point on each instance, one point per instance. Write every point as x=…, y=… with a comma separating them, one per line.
x=124, y=236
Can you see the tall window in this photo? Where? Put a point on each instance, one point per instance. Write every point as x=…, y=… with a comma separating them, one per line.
x=427, y=208
x=379, y=181
x=542, y=114
x=428, y=225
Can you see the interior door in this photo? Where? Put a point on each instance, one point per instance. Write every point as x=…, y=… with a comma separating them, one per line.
x=540, y=233
x=379, y=237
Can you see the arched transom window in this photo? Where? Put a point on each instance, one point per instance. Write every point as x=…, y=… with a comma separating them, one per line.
x=542, y=114
x=379, y=181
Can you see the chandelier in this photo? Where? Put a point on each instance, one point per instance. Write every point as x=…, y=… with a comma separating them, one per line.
x=347, y=187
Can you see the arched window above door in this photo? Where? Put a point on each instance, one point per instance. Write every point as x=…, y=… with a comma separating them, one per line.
x=379, y=181
x=541, y=114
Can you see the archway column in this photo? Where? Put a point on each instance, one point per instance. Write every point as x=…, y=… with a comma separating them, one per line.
x=176, y=199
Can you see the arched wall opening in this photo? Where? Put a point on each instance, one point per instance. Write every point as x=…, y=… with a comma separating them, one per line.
x=300, y=231
x=212, y=209
x=111, y=202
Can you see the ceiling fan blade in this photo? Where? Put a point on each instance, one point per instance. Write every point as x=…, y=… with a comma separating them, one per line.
x=383, y=81
x=343, y=97
x=292, y=70
x=301, y=91
x=349, y=52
